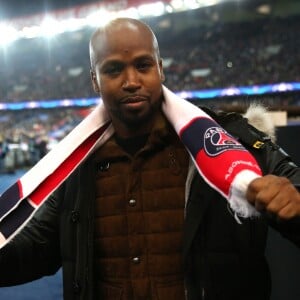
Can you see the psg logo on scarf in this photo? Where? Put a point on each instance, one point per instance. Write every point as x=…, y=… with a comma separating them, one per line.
x=217, y=141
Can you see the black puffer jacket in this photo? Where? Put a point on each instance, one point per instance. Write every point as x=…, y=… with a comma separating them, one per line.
x=223, y=259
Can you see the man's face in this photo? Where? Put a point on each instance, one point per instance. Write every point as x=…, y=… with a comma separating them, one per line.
x=128, y=74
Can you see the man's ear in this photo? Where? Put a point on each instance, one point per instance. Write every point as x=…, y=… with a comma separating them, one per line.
x=162, y=74
x=94, y=82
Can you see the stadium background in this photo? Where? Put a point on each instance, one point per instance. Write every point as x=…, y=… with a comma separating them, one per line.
x=223, y=54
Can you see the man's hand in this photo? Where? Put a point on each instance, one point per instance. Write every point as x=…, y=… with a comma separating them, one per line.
x=275, y=195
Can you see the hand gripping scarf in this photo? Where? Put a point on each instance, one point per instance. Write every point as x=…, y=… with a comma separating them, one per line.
x=220, y=159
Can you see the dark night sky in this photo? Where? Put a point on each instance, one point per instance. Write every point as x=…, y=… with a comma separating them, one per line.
x=15, y=8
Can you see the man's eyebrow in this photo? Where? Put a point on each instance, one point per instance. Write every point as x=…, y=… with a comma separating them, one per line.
x=116, y=61
x=110, y=62
x=145, y=56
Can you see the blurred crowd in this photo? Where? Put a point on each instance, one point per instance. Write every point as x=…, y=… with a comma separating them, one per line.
x=210, y=56
x=237, y=54
x=27, y=135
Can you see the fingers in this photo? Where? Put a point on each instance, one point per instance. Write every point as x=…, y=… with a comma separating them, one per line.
x=275, y=195
x=289, y=212
x=262, y=190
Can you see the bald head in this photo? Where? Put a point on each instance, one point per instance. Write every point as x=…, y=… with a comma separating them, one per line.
x=104, y=38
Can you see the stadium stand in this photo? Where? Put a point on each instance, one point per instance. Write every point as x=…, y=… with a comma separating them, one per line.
x=216, y=55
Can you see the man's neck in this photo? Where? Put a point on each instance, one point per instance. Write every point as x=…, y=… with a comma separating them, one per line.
x=131, y=145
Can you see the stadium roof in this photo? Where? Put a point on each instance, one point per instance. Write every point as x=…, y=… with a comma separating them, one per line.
x=20, y=8
x=35, y=18
x=17, y=8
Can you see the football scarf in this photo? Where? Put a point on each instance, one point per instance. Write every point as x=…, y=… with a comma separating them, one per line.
x=219, y=158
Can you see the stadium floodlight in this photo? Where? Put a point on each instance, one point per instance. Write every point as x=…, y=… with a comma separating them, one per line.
x=30, y=32
x=99, y=18
x=177, y=4
x=203, y=3
x=191, y=4
x=131, y=12
x=50, y=27
x=8, y=34
x=169, y=9
x=151, y=9
x=72, y=24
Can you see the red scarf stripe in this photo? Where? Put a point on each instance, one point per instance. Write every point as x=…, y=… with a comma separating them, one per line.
x=20, y=189
x=65, y=169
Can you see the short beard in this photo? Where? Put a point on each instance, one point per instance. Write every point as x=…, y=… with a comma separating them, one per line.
x=133, y=122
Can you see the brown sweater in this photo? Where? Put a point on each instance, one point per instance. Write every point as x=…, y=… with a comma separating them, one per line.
x=139, y=217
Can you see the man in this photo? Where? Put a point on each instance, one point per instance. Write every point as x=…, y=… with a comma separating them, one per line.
x=119, y=226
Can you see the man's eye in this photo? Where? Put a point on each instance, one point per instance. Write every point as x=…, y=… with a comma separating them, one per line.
x=112, y=70
x=144, y=66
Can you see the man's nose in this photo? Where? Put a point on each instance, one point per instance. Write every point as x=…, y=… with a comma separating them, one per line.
x=131, y=79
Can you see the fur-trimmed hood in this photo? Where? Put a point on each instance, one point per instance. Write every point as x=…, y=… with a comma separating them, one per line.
x=258, y=117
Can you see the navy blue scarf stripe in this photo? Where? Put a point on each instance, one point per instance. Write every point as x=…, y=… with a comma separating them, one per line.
x=9, y=199
x=16, y=218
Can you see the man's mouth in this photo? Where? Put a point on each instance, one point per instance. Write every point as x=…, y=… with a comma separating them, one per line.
x=133, y=99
